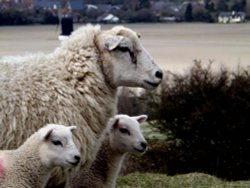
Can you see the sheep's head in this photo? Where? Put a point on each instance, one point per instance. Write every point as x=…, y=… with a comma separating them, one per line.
x=125, y=134
x=125, y=60
x=58, y=148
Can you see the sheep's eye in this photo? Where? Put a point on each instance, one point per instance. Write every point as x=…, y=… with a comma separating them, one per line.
x=124, y=131
x=126, y=49
x=57, y=142
x=123, y=48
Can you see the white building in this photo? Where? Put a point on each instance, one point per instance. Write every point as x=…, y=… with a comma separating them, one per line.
x=231, y=17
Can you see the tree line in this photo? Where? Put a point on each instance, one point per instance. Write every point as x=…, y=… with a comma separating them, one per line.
x=139, y=11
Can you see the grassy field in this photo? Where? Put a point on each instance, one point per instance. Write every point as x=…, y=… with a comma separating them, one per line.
x=191, y=180
x=173, y=46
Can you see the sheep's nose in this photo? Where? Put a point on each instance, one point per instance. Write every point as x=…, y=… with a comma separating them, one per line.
x=144, y=145
x=159, y=74
x=77, y=158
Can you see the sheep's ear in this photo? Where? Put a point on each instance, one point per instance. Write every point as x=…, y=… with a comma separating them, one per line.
x=138, y=35
x=115, y=124
x=112, y=42
x=141, y=118
x=73, y=128
x=48, y=135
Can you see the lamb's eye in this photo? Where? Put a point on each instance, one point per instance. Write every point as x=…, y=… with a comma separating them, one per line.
x=124, y=131
x=57, y=142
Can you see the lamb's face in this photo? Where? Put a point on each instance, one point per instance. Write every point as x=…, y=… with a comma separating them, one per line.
x=126, y=136
x=125, y=60
x=58, y=148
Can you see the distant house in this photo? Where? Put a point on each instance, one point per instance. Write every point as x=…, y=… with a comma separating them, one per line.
x=108, y=18
x=4, y=5
x=90, y=7
x=162, y=5
x=103, y=7
x=166, y=11
x=231, y=17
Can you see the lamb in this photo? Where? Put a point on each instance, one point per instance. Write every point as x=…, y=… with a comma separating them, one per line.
x=30, y=165
x=75, y=84
x=123, y=136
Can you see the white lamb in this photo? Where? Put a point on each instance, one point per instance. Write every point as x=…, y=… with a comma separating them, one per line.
x=30, y=165
x=123, y=136
x=76, y=84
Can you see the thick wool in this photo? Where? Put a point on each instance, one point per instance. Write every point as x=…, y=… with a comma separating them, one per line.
x=104, y=170
x=73, y=85
x=56, y=89
x=23, y=167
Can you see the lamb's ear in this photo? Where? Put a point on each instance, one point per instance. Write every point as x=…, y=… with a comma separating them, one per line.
x=141, y=118
x=115, y=124
x=47, y=135
x=112, y=42
x=73, y=128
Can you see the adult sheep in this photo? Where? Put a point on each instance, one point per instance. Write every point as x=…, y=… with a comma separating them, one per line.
x=76, y=84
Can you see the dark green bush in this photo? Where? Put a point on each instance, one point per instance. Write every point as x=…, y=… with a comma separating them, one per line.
x=208, y=116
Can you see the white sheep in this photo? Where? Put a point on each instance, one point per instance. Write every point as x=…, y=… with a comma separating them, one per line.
x=76, y=84
x=123, y=136
x=30, y=165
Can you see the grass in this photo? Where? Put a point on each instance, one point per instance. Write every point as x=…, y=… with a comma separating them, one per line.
x=191, y=180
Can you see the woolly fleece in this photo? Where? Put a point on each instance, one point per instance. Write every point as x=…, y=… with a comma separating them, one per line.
x=65, y=87
x=72, y=85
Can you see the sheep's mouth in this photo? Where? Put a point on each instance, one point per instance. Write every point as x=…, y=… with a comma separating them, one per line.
x=73, y=163
x=152, y=83
x=139, y=150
